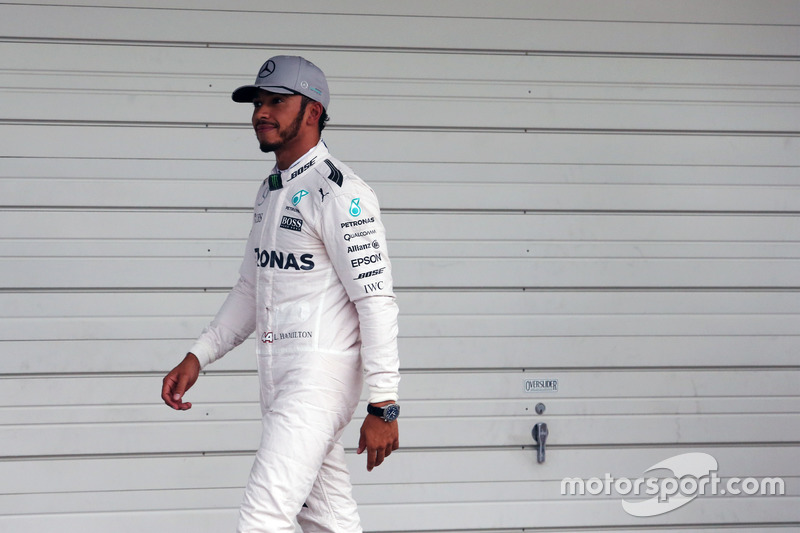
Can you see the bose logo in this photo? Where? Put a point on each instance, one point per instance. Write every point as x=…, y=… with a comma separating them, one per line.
x=371, y=273
x=302, y=169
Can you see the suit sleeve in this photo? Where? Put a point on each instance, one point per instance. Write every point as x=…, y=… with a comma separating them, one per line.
x=236, y=319
x=353, y=222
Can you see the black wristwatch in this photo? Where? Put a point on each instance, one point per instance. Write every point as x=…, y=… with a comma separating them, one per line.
x=388, y=413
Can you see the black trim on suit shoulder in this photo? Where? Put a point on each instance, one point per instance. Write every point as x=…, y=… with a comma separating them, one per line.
x=336, y=175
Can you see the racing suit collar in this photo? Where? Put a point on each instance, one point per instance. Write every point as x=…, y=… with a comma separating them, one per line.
x=310, y=159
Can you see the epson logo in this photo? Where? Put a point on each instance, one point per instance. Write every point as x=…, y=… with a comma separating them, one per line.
x=273, y=259
x=302, y=169
x=371, y=273
x=367, y=260
x=357, y=248
x=358, y=222
x=294, y=224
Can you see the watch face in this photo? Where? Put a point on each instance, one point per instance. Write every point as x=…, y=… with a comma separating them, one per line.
x=391, y=412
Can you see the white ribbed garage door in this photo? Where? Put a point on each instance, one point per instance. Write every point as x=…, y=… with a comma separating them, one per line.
x=598, y=196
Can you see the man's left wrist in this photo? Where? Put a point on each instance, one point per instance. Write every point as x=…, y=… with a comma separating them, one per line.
x=387, y=411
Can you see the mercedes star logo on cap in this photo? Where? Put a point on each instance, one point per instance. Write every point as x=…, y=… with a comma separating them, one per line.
x=267, y=69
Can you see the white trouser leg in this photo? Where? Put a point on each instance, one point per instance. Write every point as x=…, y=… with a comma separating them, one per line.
x=299, y=458
x=330, y=508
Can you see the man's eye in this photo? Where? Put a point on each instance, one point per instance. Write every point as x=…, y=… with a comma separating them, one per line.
x=256, y=104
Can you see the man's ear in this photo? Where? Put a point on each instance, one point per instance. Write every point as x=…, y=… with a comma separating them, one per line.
x=313, y=112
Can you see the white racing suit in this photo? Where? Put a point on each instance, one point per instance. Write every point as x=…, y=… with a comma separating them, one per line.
x=316, y=287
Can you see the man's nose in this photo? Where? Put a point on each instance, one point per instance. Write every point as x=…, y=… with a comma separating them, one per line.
x=261, y=112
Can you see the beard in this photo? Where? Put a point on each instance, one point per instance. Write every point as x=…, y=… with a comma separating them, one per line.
x=285, y=136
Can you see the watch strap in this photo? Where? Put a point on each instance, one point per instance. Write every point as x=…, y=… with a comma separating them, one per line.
x=375, y=411
x=380, y=412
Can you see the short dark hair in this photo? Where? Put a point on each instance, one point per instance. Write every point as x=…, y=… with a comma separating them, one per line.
x=323, y=118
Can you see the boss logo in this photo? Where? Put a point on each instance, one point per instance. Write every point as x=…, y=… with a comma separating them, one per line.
x=290, y=223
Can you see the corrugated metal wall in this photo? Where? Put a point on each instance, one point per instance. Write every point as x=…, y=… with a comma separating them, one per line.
x=600, y=193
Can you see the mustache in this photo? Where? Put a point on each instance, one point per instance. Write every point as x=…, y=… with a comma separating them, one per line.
x=264, y=122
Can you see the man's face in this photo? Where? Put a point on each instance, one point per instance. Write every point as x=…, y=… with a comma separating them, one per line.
x=277, y=119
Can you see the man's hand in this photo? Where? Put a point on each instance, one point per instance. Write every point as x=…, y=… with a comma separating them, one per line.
x=179, y=380
x=379, y=438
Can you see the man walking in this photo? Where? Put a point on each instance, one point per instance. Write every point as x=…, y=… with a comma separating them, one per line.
x=316, y=287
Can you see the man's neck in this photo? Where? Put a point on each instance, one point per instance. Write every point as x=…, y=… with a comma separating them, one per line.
x=286, y=156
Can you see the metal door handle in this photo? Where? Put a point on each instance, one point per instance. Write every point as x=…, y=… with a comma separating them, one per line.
x=539, y=433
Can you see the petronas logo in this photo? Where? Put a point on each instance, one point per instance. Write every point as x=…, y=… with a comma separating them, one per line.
x=355, y=209
x=299, y=196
